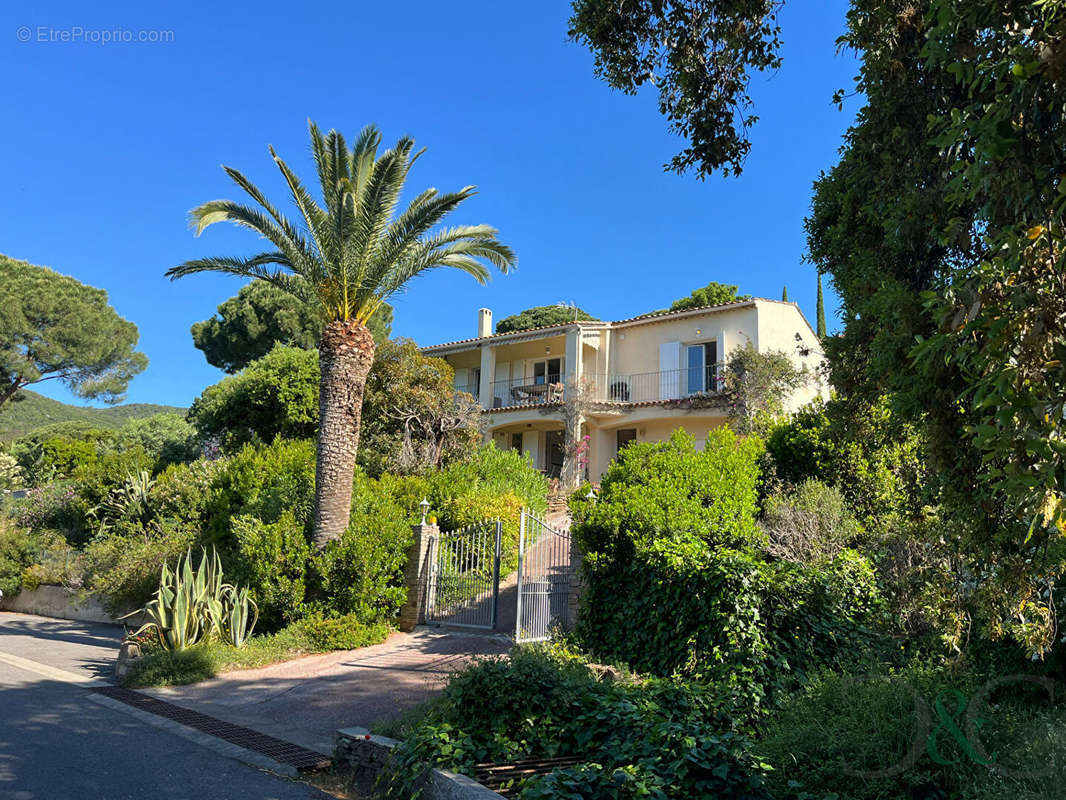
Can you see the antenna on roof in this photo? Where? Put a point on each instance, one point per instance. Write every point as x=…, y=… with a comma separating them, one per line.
x=569, y=305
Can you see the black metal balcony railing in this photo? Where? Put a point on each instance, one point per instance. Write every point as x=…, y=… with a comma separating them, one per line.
x=643, y=387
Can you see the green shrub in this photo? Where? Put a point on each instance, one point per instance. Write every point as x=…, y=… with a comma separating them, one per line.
x=263, y=481
x=491, y=471
x=809, y=524
x=56, y=564
x=19, y=549
x=653, y=739
x=361, y=573
x=841, y=724
x=58, y=508
x=59, y=450
x=271, y=560
x=181, y=492
x=677, y=579
x=124, y=570
x=653, y=487
x=167, y=438
x=276, y=395
x=875, y=461
x=318, y=634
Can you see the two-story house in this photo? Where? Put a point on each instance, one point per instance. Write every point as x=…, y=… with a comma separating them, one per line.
x=639, y=375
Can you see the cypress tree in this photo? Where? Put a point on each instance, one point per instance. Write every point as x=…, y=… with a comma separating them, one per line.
x=821, y=309
x=784, y=294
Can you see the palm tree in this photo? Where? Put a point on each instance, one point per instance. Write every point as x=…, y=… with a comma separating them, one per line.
x=346, y=259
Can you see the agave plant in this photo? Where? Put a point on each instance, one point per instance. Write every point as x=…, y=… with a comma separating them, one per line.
x=193, y=604
x=240, y=613
x=131, y=500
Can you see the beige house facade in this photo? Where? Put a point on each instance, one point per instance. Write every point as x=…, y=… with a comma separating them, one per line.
x=638, y=379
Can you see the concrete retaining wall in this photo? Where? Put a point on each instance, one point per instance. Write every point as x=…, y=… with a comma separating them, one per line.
x=60, y=602
x=367, y=754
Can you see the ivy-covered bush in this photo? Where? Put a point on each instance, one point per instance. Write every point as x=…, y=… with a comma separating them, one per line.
x=678, y=579
x=656, y=738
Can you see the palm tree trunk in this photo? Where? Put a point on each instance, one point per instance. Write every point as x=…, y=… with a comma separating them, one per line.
x=345, y=354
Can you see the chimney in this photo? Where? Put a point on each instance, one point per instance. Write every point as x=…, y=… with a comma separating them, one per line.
x=484, y=323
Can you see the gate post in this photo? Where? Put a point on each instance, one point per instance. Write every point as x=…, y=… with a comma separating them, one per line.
x=518, y=591
x=496, y=575
x=420, y=558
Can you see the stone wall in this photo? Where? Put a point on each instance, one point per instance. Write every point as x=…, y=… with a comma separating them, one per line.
x=59, y=602
x=366, y=754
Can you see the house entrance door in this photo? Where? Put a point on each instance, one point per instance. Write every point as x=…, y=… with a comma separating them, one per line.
x=554, y=453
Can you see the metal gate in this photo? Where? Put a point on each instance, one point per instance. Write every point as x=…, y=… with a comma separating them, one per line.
x=463, y=581
x=544, y=577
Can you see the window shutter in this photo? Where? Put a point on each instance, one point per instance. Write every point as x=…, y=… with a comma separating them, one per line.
x=669, y=370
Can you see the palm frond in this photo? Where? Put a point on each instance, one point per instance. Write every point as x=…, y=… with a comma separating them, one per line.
x=355, y=252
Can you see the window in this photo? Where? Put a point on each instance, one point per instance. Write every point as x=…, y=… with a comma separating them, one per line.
x=547, y=371
x=475, y=381
x=624, y=437
x=700, y=367
x=516, y=442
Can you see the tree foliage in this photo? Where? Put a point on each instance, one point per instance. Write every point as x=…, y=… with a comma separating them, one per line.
x=53, y=327
x=276, y=395
x=713, y=294
x=700, y=54
x=259, y=316
x=540, y=316
x=757, y=385
x=412, y=418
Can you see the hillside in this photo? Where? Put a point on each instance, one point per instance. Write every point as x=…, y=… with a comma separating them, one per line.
x=36, y=411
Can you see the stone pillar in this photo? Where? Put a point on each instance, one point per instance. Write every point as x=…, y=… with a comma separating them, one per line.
x=488, y=375
x=420, y=556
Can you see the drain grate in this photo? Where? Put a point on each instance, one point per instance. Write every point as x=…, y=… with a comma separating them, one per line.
x=277, y=749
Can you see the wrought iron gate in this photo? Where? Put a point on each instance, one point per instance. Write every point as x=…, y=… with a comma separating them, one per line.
x=463, y=581
x=544, y=579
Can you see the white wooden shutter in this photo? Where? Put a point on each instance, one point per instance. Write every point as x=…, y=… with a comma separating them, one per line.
x=669, y=370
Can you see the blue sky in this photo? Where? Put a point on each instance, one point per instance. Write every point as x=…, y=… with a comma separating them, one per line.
x=106, y=146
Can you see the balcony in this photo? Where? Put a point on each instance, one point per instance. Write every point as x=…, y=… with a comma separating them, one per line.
x=643, y=387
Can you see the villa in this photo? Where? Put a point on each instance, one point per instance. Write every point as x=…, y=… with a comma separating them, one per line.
x=641, y=378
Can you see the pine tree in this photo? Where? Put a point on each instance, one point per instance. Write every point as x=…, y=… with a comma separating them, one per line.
x=821, y=309
x=784, y=294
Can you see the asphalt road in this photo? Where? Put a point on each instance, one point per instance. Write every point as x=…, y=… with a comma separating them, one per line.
x=57, y=744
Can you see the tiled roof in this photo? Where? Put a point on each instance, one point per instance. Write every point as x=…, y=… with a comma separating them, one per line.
x=654, y=316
